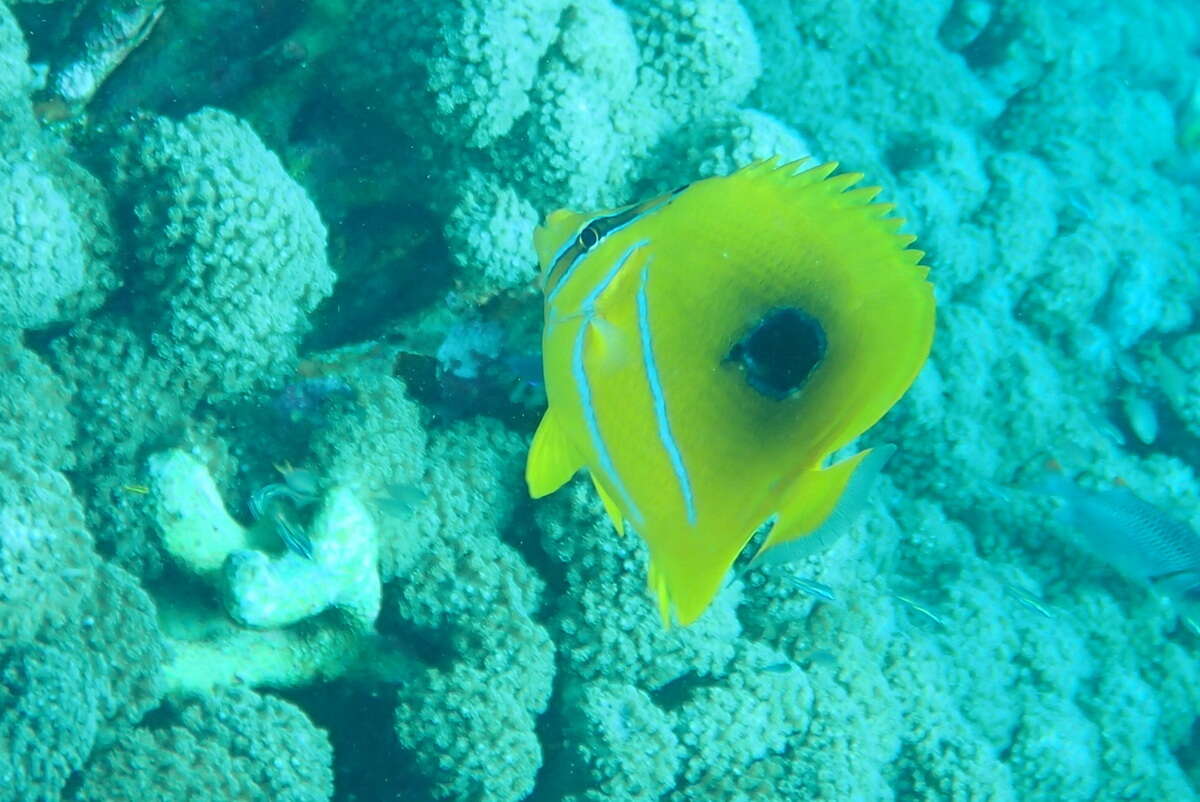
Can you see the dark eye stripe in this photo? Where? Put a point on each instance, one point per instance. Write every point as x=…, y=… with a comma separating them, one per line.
x=592, y=233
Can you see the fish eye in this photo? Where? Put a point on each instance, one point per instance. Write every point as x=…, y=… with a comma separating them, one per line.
x=588, y=238
x=780, y=352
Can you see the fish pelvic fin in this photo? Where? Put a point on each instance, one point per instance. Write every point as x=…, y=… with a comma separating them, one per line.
x=552, y=460
x=610, y=506
x=657, y=582
x=821, y=505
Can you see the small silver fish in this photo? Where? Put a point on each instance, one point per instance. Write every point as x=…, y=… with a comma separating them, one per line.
x=301, y=481
x=1028, y=599
x=781, y=667
x=269, y=497
x=813, y=588
x=399, y=500
x=271, y=502
x=293, y=536
x=1133, y=536
x=917, y=607
x=819, y=657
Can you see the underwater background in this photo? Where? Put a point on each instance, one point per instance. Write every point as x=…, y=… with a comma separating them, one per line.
x=267, y=287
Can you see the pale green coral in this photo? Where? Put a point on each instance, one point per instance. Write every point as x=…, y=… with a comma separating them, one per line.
x=470, y=65
x=544, y=104
x=488, y=228
x=197, y=531
x=41, y=247
x=227, y=258
x=80, y=653
x=233, y=744
x=618, y=744
x=606, y=622
x=377, y=448
x=738, y=137
x=48, y=720
x=473, y=722
x=231, y=250
x=698, y=56
x=260, y=590
x=474, y=741
x=729, y=729
x=34, y=405
x=55, y=235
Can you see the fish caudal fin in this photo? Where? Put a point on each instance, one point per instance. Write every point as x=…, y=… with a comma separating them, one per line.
x=686, y=599
x=552, y=461
x=821, y=505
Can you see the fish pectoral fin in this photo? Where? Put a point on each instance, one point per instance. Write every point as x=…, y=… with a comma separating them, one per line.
x=552, y=461
x=821, y=505
x=610, y=506
x=609, y=346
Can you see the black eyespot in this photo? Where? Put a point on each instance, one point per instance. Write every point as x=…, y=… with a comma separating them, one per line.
x=588, y=238
x=780, y=352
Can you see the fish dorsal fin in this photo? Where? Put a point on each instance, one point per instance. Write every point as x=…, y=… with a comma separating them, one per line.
x=552, y=461
x=610, y=506
x=821, y=505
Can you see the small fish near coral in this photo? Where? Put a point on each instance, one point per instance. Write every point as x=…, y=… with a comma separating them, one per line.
x=707, y=350
x=1137, y=539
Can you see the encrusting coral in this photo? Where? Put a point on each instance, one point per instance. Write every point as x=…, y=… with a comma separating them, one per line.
x=57, y=243
x=228, y=257
x=471, y=717
x=80, y=651
x=235, y=744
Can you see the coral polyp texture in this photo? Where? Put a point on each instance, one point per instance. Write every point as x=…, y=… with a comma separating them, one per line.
x=269, y=329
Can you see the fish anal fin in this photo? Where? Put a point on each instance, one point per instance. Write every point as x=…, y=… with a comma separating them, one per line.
x=552, y=461
x=821, y=505
x=610, y=506
x=658, y=587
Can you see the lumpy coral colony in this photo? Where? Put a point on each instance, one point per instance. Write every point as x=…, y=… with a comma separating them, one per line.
x=276, y=234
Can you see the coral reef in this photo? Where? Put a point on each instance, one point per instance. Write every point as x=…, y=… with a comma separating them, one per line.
x=469, y=714
x=235, y=744
x=80, y=652
x=169, y=333
x=56, y=244
x=228, y=256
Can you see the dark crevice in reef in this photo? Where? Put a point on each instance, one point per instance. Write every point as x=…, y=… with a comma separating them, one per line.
x=676, y=693
x=366, y=765
x=429, y=648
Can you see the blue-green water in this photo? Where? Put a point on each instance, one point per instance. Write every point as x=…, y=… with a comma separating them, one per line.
x=271, y=325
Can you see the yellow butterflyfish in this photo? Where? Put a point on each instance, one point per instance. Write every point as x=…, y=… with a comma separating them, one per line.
x=705, y=352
